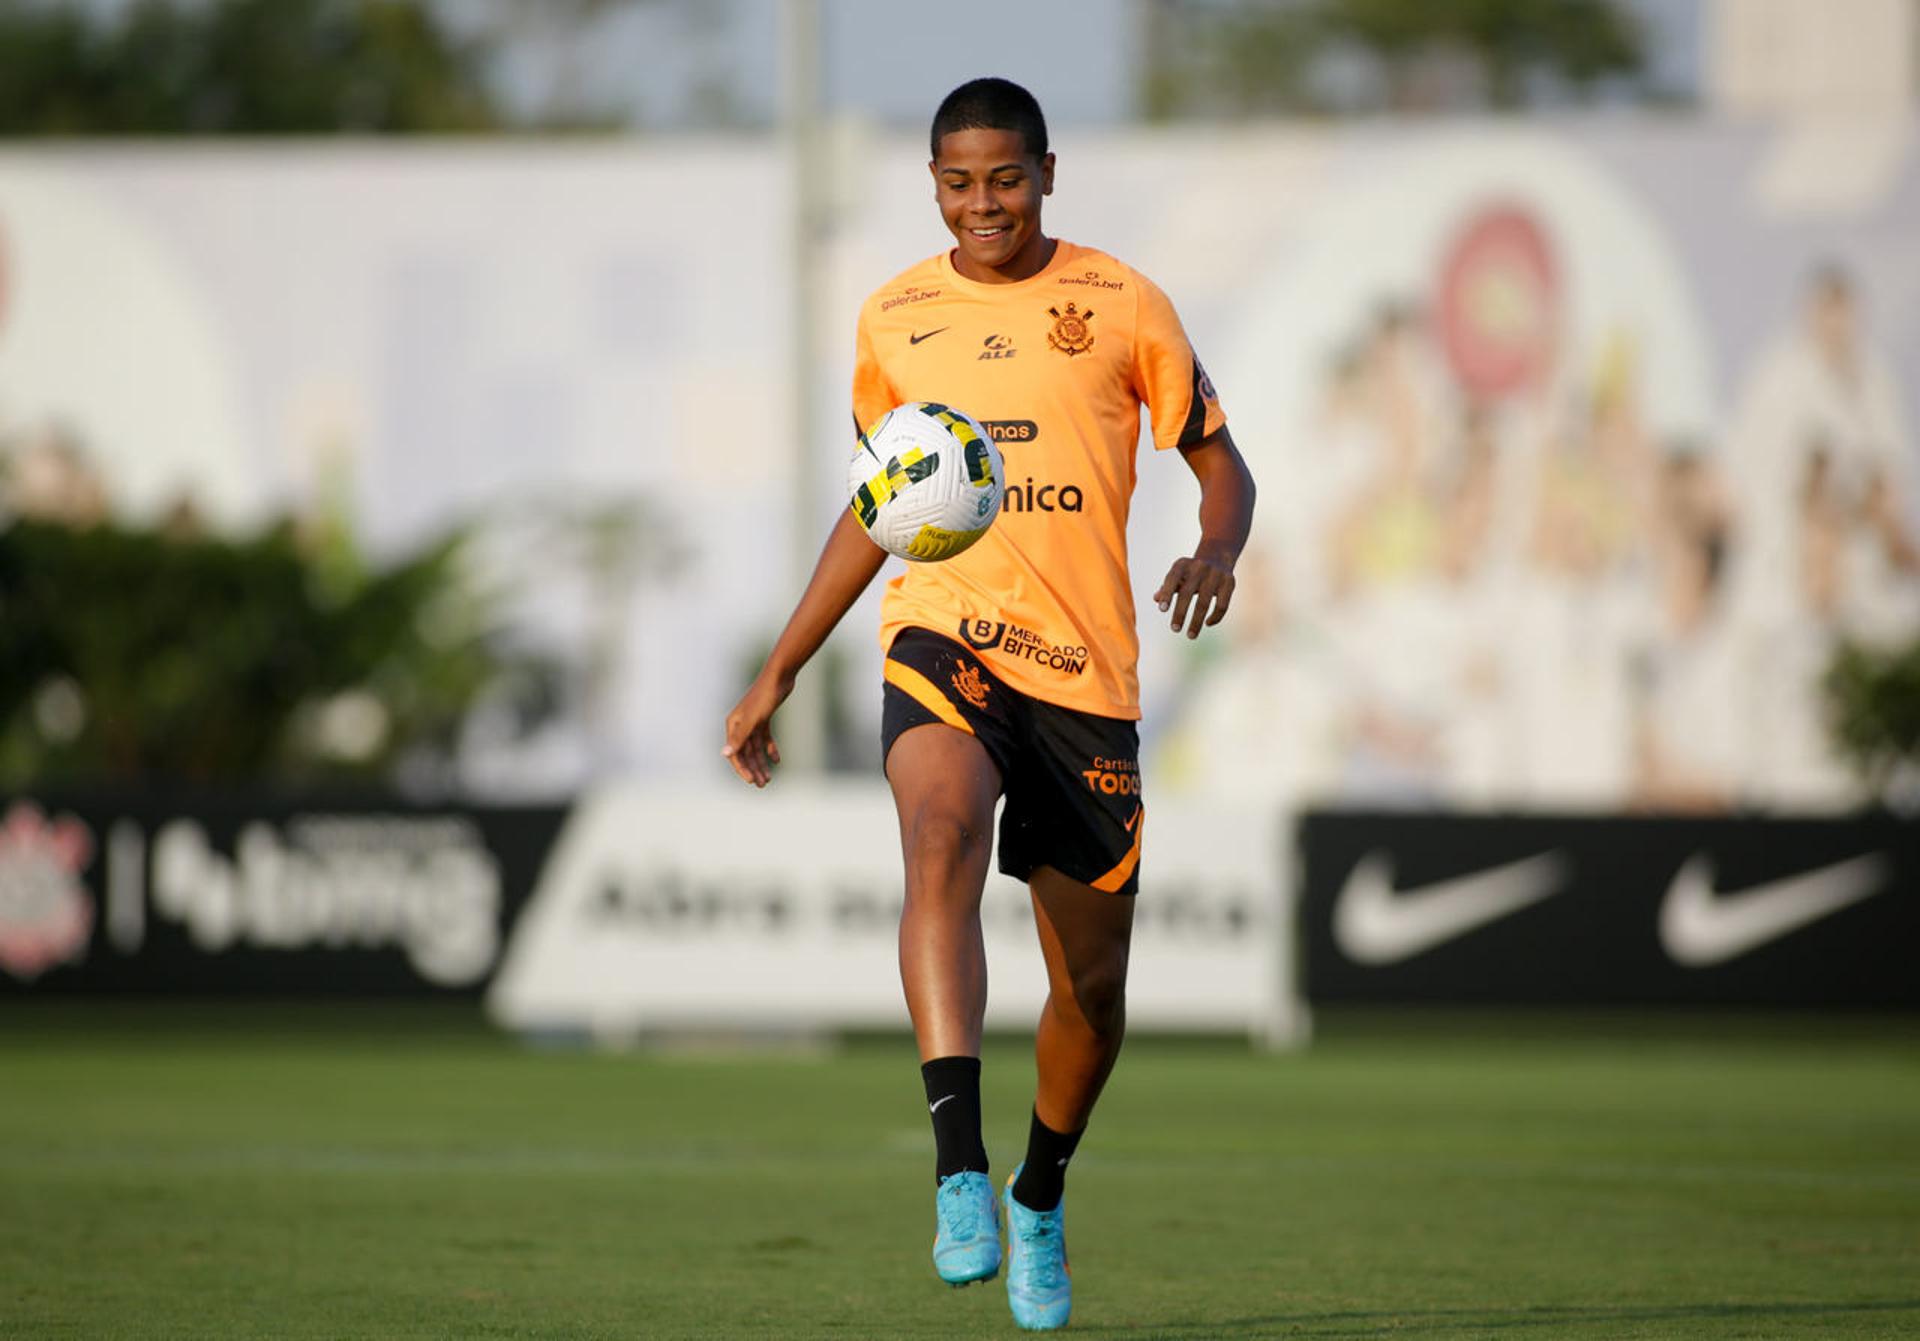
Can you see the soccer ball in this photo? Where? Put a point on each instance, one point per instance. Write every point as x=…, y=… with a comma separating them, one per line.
x=926, y=481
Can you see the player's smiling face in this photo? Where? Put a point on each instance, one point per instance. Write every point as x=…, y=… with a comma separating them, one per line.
x=989, y=188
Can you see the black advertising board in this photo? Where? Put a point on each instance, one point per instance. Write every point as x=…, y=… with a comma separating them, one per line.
x=261, y=896
x=1539, y=909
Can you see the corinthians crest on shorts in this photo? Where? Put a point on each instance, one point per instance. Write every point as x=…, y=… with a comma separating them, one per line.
x=1071, y=333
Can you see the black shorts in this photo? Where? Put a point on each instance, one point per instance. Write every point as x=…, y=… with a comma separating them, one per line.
x=1072, y=779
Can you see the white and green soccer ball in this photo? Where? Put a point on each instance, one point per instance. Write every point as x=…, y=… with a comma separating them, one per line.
x=925, y=481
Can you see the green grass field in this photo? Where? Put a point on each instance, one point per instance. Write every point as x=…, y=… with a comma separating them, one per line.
x=389, y=1173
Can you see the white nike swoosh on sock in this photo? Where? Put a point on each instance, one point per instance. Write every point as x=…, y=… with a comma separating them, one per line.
x=934, y=1107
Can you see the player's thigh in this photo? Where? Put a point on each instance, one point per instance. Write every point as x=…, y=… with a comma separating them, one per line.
x=1085, y=935
x=945, y=785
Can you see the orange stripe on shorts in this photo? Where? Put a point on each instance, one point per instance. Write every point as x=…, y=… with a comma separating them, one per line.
x=921, y=690
x=1117, y=877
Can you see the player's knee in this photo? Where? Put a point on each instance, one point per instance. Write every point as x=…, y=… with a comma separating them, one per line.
x=942, y=842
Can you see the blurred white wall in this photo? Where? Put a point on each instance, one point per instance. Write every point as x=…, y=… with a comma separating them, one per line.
x=1510, y=598
x=1790, y=58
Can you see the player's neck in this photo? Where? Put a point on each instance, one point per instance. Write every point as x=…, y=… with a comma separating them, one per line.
x=1029, y=261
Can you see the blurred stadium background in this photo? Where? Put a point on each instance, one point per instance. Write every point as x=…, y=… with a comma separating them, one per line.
x=417, y=418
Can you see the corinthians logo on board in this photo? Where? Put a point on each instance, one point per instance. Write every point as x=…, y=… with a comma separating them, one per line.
x=46, y=913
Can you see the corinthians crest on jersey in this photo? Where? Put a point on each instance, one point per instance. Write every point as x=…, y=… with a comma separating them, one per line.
x=1072, y=332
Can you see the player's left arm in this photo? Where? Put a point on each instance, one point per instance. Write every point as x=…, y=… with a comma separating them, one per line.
x=1199, y=589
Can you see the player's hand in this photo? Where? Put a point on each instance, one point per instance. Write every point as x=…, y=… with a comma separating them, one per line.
x=750, y=747
x=1196, y=587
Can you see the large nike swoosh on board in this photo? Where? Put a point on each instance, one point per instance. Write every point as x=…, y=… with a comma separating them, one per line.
x=1375, y=924
x=1700, y=926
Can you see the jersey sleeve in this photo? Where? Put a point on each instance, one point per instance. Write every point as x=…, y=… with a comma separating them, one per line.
x=1167, y=376
x=873, y=395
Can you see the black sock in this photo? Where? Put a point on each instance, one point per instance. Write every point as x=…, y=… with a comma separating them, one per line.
x=1043, y=1178
x=953, y=1098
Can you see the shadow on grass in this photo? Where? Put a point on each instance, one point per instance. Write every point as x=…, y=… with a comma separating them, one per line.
x=1473, y=1321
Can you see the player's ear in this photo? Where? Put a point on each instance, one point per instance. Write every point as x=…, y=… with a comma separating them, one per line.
x=1046, y=174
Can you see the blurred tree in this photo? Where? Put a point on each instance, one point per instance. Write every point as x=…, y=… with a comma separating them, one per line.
x=1873, y=711
x=1239, y=57
x=276, y=67
x=130, y=654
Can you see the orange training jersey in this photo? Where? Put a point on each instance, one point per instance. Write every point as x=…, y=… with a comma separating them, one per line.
x=1057, y=366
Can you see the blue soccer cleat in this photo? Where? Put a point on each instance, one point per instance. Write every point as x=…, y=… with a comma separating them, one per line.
x=1039, y=1282
x=966, y=1246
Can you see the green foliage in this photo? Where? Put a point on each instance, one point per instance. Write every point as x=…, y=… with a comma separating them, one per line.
x=279, y=67
x=1579, y=41
x=1873, y=701
x=1241, y=57
x=1238, y=59
x=127, y=654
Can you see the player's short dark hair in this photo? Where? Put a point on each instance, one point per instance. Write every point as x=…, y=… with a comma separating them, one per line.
x=991, y=104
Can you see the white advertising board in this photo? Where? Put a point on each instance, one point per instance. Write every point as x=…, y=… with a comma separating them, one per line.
x=666, y=909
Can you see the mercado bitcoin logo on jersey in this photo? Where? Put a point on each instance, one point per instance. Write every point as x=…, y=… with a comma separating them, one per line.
x=982, y=633
x=1072, y=332
x=989, y=635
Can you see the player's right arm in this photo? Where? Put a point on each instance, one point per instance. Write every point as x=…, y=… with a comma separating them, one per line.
x=846, y=565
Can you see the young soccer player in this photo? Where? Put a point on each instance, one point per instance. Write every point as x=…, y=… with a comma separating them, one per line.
x=1010, y=669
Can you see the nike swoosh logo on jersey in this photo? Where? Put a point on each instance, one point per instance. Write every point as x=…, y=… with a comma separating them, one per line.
x=1701, y=926
x=1138, y=811
x=916, y=339
x=934, y=1107
x=1374, y=923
